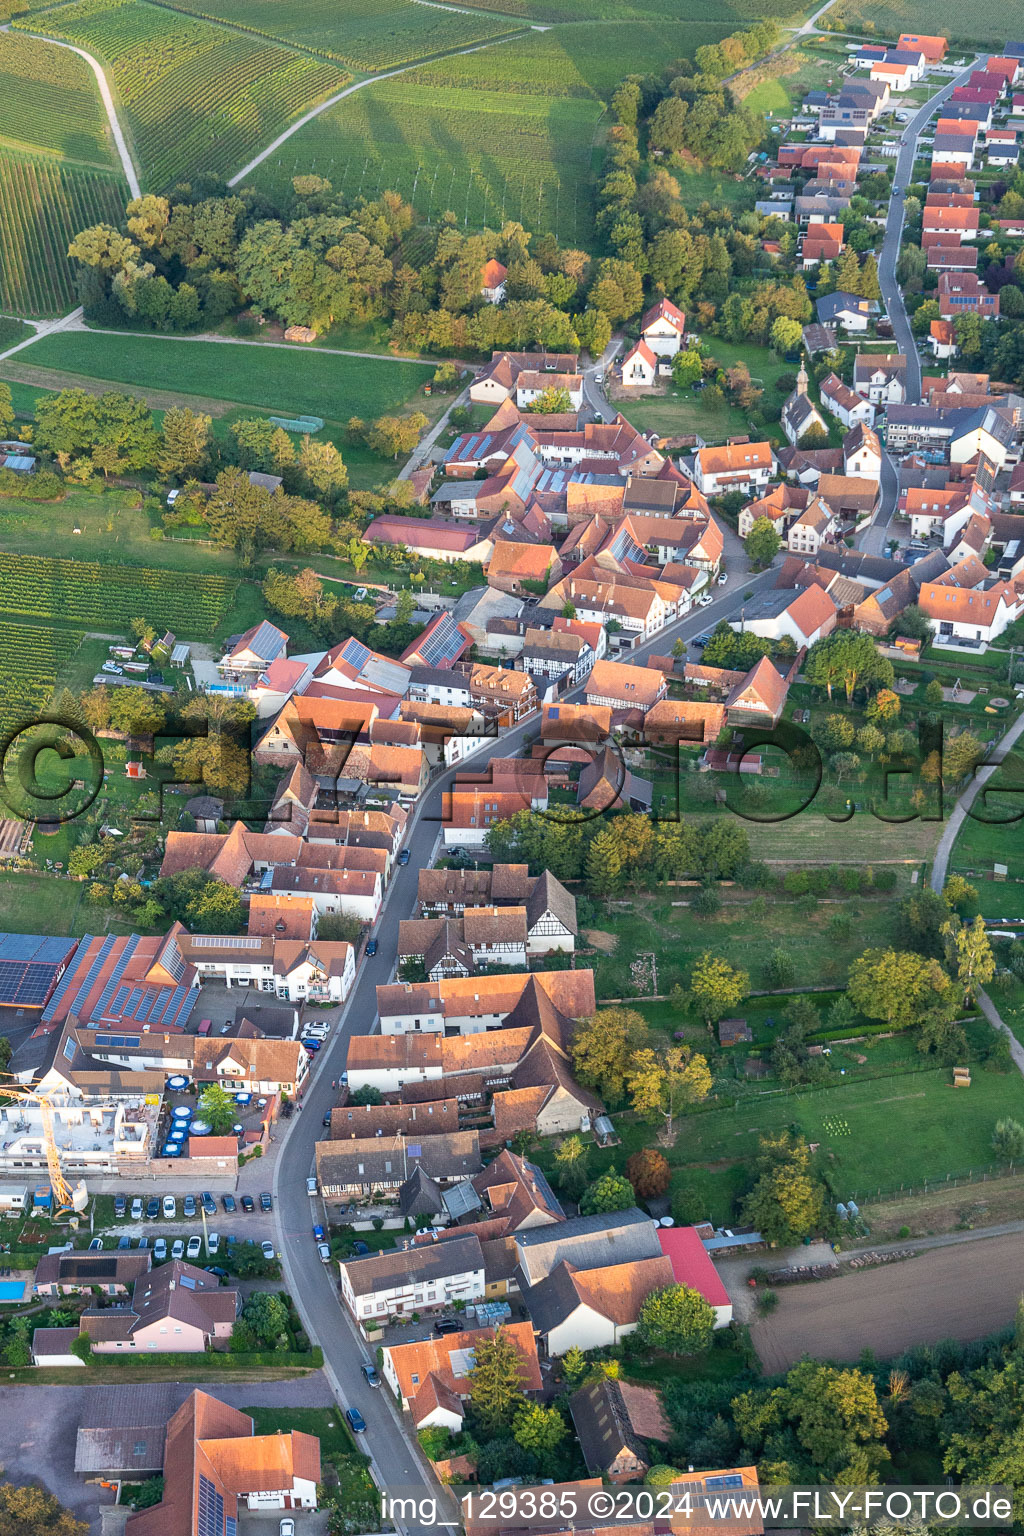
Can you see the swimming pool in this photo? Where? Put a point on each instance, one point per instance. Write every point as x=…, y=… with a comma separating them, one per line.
x=12, y=1290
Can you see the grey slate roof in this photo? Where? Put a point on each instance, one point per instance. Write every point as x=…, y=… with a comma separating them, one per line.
x=380, y=1271
x=588, y=1242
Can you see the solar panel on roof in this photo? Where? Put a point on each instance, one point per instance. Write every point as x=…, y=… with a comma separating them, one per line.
x=355, y=653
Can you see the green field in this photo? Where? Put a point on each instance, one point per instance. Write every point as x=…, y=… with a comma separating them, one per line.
x=366, y=34
x=987, y=22
x=991, y=835
x=485, y=155
x=279, y=379
x=49, y=100
x=196, y=96
x=730, y=14
x=43, y=205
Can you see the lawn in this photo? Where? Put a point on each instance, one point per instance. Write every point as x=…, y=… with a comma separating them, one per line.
x=984, y=23
x=999, y=837
x=284, y=380
x=365, y=34
x=196, y=96
x=821, y=950
x=682, y=410
x=42, y=904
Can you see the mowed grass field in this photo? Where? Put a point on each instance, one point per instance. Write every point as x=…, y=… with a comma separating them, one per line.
x=49, y=101
x=366, y=34
x=196, y=96
x=488, y=156
x=44, y=202
x=987, y=22
x=507, y=132
x=287, y=381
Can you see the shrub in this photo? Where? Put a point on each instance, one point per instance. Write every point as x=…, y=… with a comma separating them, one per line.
x=796, y=883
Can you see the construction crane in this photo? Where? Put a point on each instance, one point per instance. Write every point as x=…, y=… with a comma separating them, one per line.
x=64, y=1197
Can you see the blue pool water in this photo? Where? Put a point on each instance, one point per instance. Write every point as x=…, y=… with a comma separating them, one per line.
x=12, y=1290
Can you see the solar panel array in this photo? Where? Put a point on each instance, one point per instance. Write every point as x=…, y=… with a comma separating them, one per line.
x=442, y=643
x=68, y=979
x=267, y=643
x=210, y=1521
x=135, y=1040
x=355, y=653
x=28, y=967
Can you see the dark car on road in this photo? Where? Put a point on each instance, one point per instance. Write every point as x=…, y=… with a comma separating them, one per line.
x=248, y=1203
x=371, y=949
x=228, y=1202
x=447, y=1325
x=152, y=1209
x=372, y=1379
x=404, y=856
x=356, y=1422
x=265, y=1201
x=208, y=1203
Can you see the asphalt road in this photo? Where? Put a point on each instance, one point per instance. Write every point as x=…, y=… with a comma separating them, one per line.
x=874, y=538
x=314, y=1285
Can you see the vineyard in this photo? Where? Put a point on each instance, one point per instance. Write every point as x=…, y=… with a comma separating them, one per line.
x=108, y=597
x=48, y=100
x=487, y=155
x=732, y=14
x=30, y=659
x=196, y=97
x=43, y=205
x=366, y=34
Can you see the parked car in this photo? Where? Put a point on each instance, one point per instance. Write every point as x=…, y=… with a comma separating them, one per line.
x=215, y=1269
x=404, y=856
x=371, y=949
x=312, y=1046
x=190, y=1205
x=178, y=1248
x=228, y=1202
x=170, y=1206
x=248, y=1204
x=360, y=1247
x=318, y=1233
x=287, y=1527
x=160, y=1250
x=120, y=1205
x=143, y=1242
x=311, y=1181
x=125, y=1241
x=96, y=1246
x=705, y=600
x=152, y=1209
x=213, y=1244
x=723, y=577
x=265, y=1201
x=209, y=1204
x=195, y=1246
x=324, y=1250
x=356, y=1422
x=137, y=1209
x=327, y=1122
x=447, y=1325
x=267, y=1249
x=370, y=1372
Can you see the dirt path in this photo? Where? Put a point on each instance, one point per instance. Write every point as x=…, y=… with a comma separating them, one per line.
x=961, y=1291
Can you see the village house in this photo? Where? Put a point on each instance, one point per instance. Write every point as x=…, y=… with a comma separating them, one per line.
x=377, y=1166
x=492, y=281
x=816, y=524
x=639, y=367
x=459, y=946
x=175, y=1308
x=845, y=404
x=880, y=377
x=613, y=1421
x=963, y=293
x=805, y=617
x=623, y=687
x=663, y=328
x=431, y=1378
x=739, y=466
x=417, y=1279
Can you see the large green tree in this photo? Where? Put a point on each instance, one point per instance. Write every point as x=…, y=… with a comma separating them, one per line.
x=603, y=1047
x=496, y=1383
x=677, y=1320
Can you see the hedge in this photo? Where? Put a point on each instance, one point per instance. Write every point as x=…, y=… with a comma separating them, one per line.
x=311, y=1360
